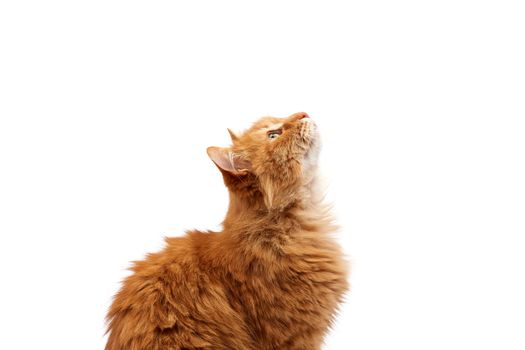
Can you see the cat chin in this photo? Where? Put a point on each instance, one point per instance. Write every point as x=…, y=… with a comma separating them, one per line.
x=311, y=157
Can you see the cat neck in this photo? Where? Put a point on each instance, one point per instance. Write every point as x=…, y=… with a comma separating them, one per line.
x=247, y=210
x=244, y=209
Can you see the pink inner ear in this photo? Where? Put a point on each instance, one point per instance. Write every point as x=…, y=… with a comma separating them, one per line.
x=241, y=163
x=220, y=156
x=227, y=160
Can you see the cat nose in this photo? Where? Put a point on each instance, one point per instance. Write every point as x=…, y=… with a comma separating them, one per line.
x=300, y=115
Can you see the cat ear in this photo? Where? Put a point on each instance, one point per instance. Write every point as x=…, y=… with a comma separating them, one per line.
x=233, y=136
x=229, y=161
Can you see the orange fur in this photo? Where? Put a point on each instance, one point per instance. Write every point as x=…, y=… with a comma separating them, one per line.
x=271, y=279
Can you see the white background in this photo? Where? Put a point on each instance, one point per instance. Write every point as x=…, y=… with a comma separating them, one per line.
x=107, y=108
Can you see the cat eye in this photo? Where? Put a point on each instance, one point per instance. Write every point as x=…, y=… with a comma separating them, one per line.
x=274, y=133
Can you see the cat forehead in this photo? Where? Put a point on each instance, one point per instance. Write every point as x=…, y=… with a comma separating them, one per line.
x=267, y=123
x=259, y=129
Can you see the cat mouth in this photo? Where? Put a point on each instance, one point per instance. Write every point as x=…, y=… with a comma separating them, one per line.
x=310, y=137
x=308, y=131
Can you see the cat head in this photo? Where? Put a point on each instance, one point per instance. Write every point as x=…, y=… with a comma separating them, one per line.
x=276, y=158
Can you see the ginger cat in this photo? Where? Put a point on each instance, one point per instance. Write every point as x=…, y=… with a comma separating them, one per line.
x=271, y=279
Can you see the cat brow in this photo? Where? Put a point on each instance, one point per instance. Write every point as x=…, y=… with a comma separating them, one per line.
x=274, y=126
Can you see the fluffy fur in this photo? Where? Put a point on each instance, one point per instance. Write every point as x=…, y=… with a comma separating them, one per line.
x=271, y=279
